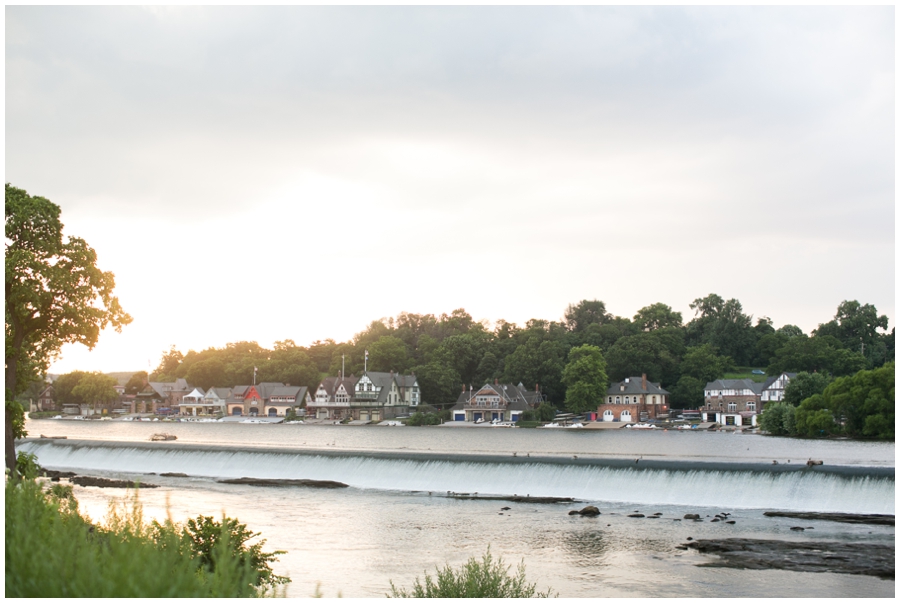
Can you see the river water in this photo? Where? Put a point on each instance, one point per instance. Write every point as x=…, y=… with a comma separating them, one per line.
x=397, y=520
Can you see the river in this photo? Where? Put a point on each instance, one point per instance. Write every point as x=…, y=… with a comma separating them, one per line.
x=397, y=520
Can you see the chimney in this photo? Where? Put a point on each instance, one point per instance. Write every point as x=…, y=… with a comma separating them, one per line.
x=536, y=388
x=644, y=381
x=495, y=381
x=464, y=388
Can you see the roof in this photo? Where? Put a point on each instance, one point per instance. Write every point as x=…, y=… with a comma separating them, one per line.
x=634, y=385
x=517, y=397
x=750, y=384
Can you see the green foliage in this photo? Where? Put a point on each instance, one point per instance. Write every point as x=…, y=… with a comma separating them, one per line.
x=388, y=353
x=778, y=418
x=864, y=402
x=723, y=325
x=702, y=363
x=543, y=413
x=418, y=419
x=861, y=405
x=814, y=418
x=654, y=353
x=51, y=551
x=822, y=354
x=856, y=326
x=804, y=385
x=207, y=538
x=136, y=382
x=688, y=392
x=55, y=294
x=580, y=316
x=96, y=389
x=657, y=316
x=485, y=578
x=585, y=379
x=15, y=419
x=27, y=466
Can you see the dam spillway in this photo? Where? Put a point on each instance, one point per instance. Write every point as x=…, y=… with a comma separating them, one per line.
x=835, y=488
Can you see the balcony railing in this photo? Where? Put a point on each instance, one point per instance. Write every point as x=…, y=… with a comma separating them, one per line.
x=475, y=405
x=366, y=395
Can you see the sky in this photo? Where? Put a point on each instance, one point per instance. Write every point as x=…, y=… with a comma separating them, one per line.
x=270, y=173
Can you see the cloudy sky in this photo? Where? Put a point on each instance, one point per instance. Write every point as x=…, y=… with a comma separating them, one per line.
x=297, y=172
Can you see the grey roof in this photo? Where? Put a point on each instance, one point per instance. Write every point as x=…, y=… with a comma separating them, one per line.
x=750, y=384
x=634, y=385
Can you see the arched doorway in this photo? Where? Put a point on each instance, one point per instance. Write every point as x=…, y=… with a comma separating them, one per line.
x=236, y=411
x=625, y=416
x=273, y=412
x=254, y=412
x=608, y=415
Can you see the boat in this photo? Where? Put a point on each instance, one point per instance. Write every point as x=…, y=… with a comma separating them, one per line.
x=574, y=426
x=641, y=426
x=549, y=426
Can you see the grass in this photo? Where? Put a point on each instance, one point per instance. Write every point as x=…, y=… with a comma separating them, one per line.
x=52, y=551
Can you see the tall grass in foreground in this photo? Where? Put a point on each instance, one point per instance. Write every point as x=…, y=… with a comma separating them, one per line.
x=486, y=578
x=52, y=551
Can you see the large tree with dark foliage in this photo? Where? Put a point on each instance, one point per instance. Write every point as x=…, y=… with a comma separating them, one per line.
x=55, y=294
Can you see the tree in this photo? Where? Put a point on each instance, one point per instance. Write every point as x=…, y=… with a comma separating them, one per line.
x=855, y=326
x=657, y=316
x=388, y=353
x=65, y=385
x=815, y=354
x=168, y=365
x=579, y=316
x=863, y=402
x=96, y=389
x=136, y=382
x=805, y=385
x=55, y=294
x=777, y=418
x=585, y=379
x=643, y=353
x=207, y=373
x=702, y=363
x=439, y=384
x=724, y=325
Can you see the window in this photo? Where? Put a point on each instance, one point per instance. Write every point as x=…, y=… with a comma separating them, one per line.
x=626, y=399
x=617, y=399
x=751, y=405
x=732, y=407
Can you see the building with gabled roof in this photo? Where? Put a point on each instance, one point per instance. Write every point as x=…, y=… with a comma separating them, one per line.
x=634, y=399
x=495, y=402
x=378, y=396
x=332, y=398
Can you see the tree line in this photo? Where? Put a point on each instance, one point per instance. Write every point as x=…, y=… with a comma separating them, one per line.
x=858, y=405
x=453, y=350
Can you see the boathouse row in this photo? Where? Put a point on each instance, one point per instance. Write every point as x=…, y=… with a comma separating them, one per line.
x=375, y=396
x=495, y=402
x=634, y=399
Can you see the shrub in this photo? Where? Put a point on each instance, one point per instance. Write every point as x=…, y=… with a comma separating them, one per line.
x=52, y=551
x=486, y=578
x=421, y=418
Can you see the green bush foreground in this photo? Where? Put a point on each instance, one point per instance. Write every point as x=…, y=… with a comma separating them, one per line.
x=52, y=551
x=476, y=579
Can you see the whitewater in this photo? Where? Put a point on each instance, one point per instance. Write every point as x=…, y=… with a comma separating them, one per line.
x=399, y=516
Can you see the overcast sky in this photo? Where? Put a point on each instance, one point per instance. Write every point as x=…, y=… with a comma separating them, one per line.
x=297, y=172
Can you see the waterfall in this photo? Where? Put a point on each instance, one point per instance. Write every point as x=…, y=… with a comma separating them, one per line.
x=836, y=489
